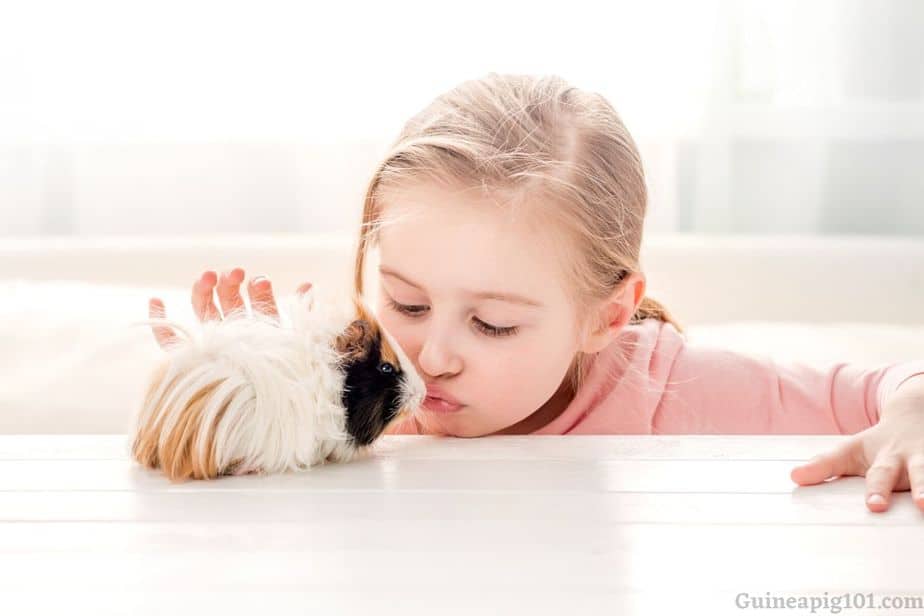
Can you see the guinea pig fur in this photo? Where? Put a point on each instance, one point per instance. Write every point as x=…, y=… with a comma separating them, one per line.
x=253, y=394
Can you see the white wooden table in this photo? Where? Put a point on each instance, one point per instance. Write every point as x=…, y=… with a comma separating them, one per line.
x=512, y=525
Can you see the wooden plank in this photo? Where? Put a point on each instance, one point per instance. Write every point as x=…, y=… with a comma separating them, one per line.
x=835, y=503
x=398, y=474
x=627, y=525
x=579, y=447
x=637, y=557
x=530, y=536
x=406, y=599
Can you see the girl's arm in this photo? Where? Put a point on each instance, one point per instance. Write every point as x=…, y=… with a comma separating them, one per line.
x=881, y=408
x=719, y=391
x=890, y=454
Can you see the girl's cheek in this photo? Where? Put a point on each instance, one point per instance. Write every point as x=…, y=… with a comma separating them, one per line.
x=388, y=321
x=403, y=332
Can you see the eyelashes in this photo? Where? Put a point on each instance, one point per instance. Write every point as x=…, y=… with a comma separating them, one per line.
x=485, y=328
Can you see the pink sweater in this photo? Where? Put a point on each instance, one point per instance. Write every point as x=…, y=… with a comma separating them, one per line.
x=650, y=381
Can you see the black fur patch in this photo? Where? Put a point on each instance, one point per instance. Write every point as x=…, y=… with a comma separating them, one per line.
x=371, y=394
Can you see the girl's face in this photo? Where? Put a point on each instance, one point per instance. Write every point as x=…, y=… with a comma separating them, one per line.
x=476, y=301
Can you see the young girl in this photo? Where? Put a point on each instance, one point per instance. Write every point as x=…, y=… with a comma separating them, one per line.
x=508, y=220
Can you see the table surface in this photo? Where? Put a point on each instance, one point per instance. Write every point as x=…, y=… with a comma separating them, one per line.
x=427, y=525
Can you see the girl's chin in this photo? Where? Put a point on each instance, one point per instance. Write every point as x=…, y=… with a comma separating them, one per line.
x=461, y=424
x=470, y=431
x=452, y=424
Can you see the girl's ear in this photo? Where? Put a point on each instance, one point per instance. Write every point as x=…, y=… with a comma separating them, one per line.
x=615, y=312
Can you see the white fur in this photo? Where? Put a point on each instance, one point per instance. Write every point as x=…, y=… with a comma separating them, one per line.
x=281, y=382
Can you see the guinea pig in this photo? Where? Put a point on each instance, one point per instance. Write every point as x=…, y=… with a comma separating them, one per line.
x=250, y=394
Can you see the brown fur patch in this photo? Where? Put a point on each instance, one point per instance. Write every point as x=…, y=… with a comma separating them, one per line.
x=355, y=342
x=144, y=448
x=359, y=336
x=388, y=353
x=177, y=458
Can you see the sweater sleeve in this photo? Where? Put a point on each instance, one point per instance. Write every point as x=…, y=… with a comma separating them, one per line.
x=713, y=390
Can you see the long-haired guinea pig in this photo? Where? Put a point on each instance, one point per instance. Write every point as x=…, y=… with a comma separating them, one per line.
x=250, y=394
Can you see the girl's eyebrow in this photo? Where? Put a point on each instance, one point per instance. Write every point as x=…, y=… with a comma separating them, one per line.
x=504, y=297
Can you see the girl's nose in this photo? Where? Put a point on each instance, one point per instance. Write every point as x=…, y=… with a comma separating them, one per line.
x=438, y=356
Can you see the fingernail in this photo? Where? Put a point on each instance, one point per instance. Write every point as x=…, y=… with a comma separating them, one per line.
x=876, y=499
x=259, y=279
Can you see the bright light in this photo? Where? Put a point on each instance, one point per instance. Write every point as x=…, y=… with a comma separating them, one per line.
x=167, y=71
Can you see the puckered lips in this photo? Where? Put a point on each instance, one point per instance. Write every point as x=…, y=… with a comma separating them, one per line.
x=440, y=401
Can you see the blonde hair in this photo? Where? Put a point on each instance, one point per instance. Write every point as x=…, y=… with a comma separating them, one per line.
x=565, y=148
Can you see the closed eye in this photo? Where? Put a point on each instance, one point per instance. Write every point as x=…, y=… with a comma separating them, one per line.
x=485, y=328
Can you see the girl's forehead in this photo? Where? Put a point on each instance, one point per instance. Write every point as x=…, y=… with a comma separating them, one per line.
x=431, y=207
x=470, y=243
x=464, y=200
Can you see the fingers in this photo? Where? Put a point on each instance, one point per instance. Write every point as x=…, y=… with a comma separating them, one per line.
x=842, y=460
x=916, y=478
x=227, y=288
x=261, y=296
x=302, y=290
x=203, y=304
x=881, y=478
x=229, y=291
x=163, y=334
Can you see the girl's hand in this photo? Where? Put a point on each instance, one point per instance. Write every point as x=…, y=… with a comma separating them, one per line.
x=890, y=454
x=228, y=291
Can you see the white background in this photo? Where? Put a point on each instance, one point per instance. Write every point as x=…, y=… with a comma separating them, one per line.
x=184, y=117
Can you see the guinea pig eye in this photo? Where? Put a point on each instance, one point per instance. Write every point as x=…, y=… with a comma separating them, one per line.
x=386, y=368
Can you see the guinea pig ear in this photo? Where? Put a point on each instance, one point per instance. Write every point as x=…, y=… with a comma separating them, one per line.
x=356, y=340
